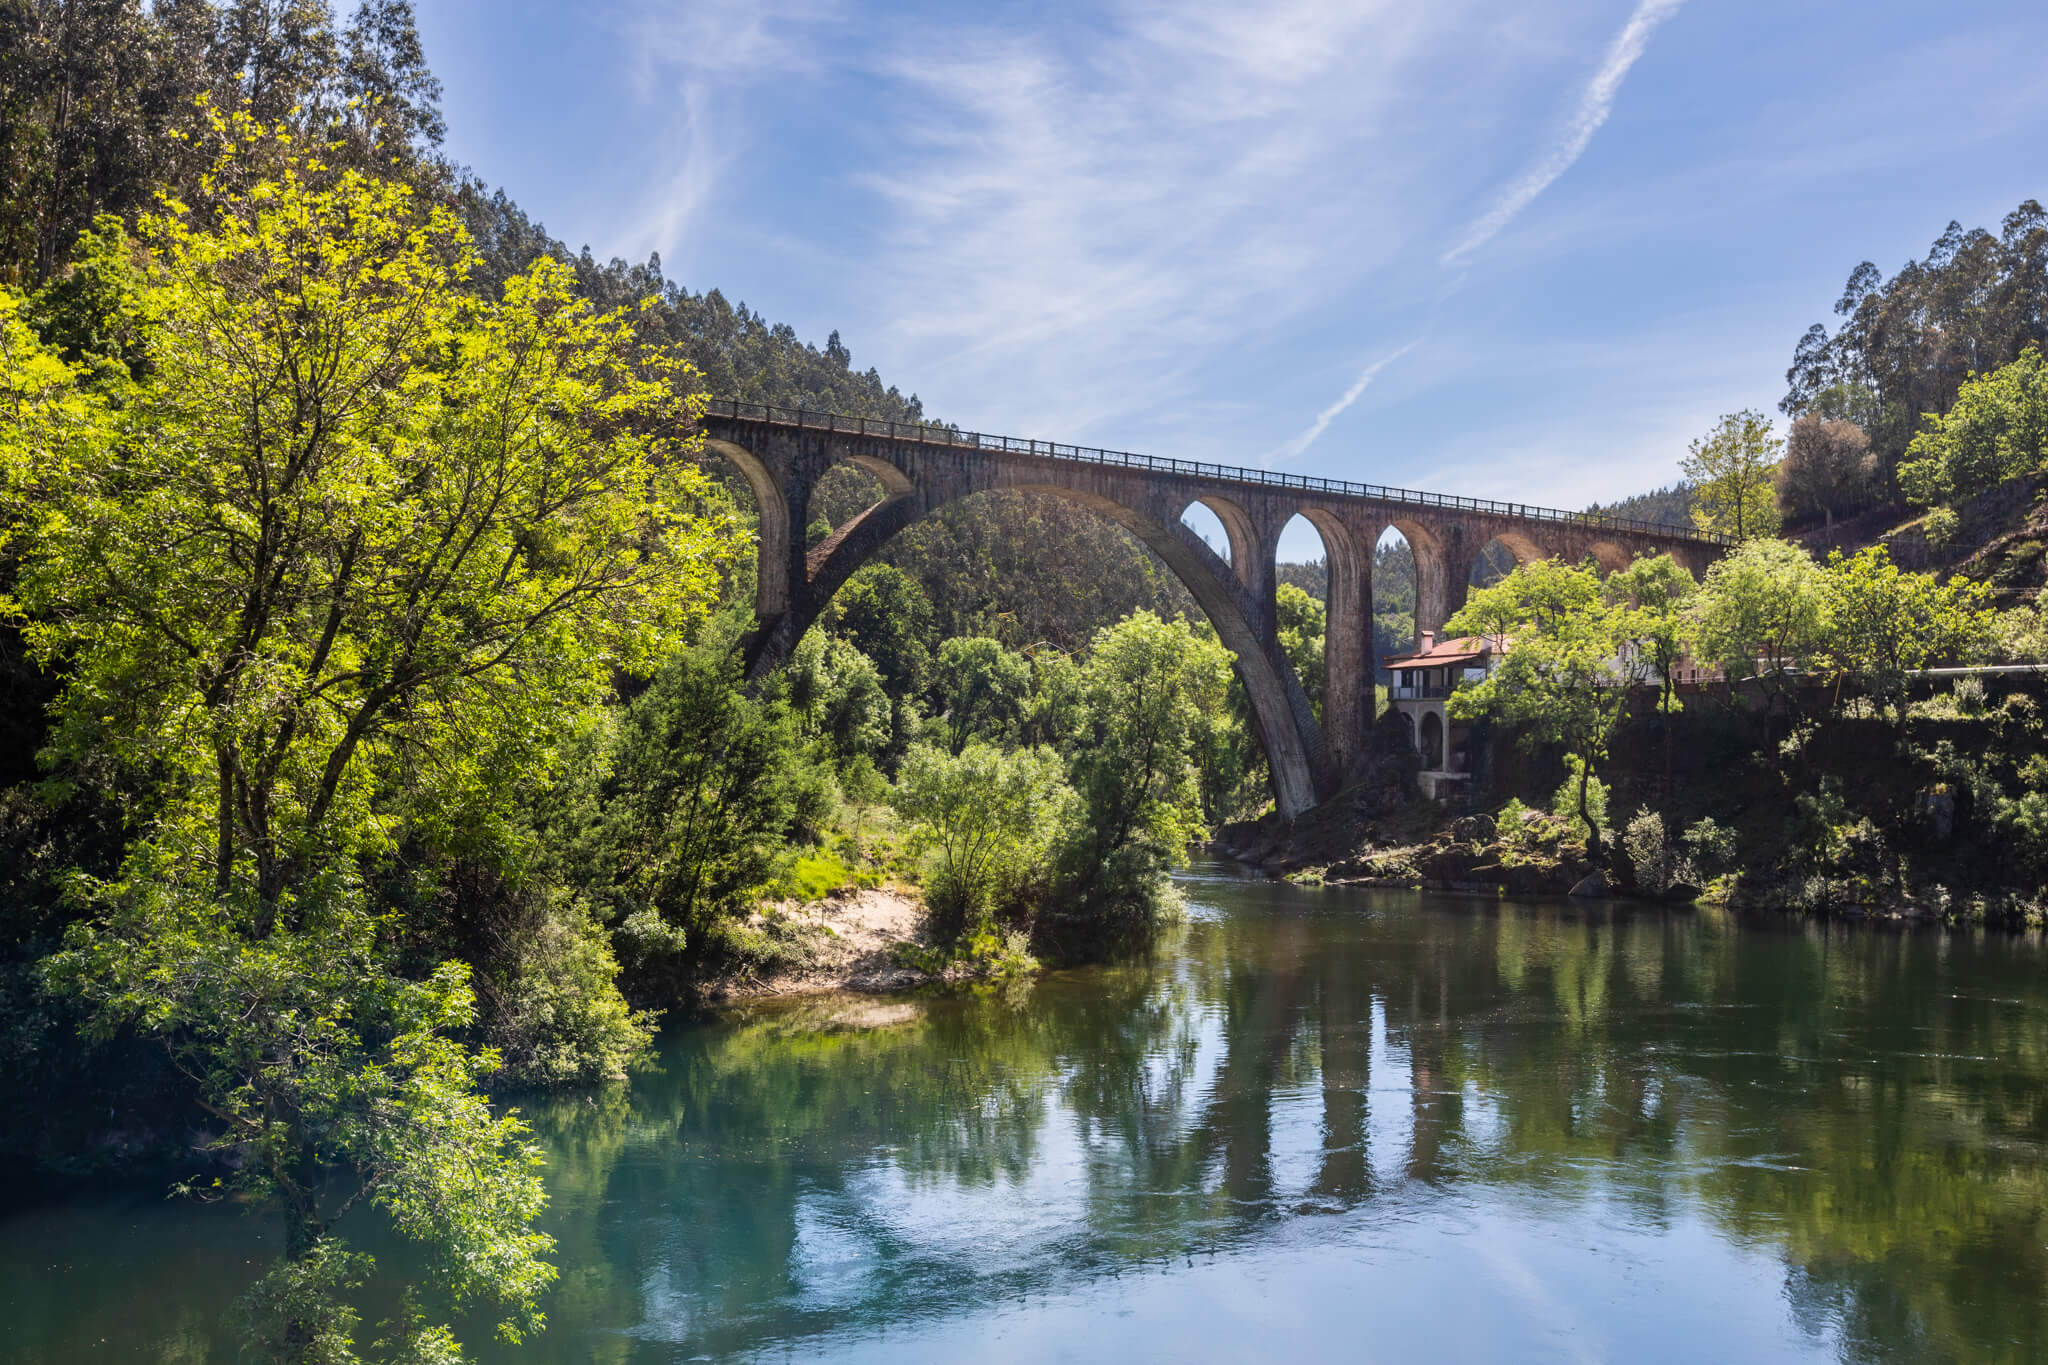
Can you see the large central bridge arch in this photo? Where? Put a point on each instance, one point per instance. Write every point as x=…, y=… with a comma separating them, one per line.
x=782, y=454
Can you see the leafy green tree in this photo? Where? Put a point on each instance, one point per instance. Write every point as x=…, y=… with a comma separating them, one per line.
x=1657, y=628
x=1730, y=470
x=1883, y=623
x=836, y=694
x=1054, y=713
x=884, y=614
x=688, y=830
x=1149, y=688
x=1565, y=676
x=1760, y=613
x=987, y=817
x=980, y=687
x=1300, y=618
x=338, y=566
x=1997, y=430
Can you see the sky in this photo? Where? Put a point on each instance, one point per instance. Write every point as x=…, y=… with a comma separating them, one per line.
x=1517, y=251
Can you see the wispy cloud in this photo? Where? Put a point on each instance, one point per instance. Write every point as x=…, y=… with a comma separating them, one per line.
x=1301, y=441
x=1086, y=227
x=683, y=64
x=1595, y=104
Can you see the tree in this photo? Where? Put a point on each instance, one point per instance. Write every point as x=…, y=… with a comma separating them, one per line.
x=1565, y=676
x=1657, y=590
x=689, y=825
x=340, y=565
x=1883, y=623
x=1827, y=468
x=1760, y=613
x=1997, y=430
x=836, y=692
x=1730, y=470
x=980, y=687
x=1910, y=342
x=884, y=614
x=1300, y=618
x=1149, y=688
x=987, y=816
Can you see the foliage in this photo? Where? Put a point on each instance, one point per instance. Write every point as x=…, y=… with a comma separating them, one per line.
x=2020, y=634
x=989, y=819
x=688, y=831
x=985, y=561
x=1760, y=612
x=1300, y=618
x=1150, y=688
x=353, y=613
x=836, y=694
x=1670, y=506
x=557, y=1017
x=1709, y=845
x=1657, y=591
x=1828, y=468
x=1581, y=802
x=340, y=1082
x=1730, y=470
x=1564, y=678
x=884, y=613
x=980, y=688
x=1996, y=430
x=1649, y=855
x=104, y=102
x=1907, y=345
x=1882, y=624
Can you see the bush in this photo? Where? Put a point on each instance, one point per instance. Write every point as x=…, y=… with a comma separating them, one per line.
x=986, y=820
x=1942, y=526
x=1710, y=847
x=556, y=1016
x=1648, y=854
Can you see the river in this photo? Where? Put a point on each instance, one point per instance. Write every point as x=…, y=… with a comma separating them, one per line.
x=1357, y=1125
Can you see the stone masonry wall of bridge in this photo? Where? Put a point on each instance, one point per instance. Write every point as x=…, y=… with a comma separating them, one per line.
x=783, y=453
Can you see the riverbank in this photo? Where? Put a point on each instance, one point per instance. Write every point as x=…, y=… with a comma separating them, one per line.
x=1942, y=820
x=862, y=941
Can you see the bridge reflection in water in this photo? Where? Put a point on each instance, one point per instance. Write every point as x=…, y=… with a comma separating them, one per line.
x=1319, y=1124
x=1849, y=1122
x=783, y=453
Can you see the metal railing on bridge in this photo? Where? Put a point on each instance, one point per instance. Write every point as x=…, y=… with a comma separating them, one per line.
x=930, y=434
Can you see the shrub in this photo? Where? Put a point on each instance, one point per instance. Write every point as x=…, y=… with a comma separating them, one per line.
x=1710, y=847
x=1648, y=855
x=1942, y=526
x=556, y=1017
x=986, y=820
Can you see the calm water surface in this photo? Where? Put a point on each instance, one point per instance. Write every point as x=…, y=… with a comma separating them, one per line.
x=1318, y=1125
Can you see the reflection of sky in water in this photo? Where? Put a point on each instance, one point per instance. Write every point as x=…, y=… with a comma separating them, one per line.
x=1423, y=1131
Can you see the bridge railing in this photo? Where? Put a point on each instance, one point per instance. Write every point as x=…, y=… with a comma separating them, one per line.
x=930, y=434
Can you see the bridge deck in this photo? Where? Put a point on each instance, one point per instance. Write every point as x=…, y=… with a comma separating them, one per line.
x=930, y=434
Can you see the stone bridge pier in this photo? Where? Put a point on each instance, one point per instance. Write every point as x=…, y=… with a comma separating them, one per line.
x=783, y=453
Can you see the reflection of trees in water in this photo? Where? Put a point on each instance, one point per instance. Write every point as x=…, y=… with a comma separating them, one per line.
x=1831, y=1095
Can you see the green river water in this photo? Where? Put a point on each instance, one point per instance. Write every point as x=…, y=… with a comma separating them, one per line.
x=1338, y=1125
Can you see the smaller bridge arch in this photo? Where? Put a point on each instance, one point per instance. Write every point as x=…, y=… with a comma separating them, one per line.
x=1610, y=556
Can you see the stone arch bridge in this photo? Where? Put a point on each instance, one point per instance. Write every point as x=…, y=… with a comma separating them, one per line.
x=783, y=452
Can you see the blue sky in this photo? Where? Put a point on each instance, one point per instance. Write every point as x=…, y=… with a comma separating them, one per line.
x=1523, y=251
